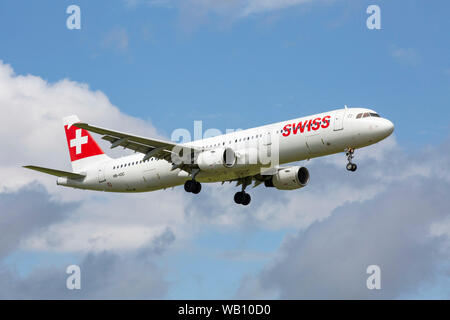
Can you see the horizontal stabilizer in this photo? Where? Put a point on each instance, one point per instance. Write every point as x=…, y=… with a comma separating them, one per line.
x=57, y=173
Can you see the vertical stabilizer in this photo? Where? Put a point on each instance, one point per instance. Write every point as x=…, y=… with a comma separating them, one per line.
x=83, y=149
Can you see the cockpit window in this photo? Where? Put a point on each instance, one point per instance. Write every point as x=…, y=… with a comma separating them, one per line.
x=367, y=114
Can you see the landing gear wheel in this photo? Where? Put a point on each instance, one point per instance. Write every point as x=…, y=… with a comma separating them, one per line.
x=188, y=185
x=192, y=186
x=239, y=197
x=197, y=187
x=350, y=165
x=242, y=197
x=247, y=199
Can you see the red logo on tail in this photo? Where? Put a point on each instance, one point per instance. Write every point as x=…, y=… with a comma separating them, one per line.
x=81, y=144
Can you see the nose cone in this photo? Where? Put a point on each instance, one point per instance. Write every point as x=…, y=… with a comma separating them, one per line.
x=389, y=127
x=385, y=128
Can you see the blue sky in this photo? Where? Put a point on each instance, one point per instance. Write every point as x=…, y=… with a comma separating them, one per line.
x=171, y=63
x=247, y=72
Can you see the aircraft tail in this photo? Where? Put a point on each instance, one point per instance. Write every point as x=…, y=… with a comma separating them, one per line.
x=83, y=149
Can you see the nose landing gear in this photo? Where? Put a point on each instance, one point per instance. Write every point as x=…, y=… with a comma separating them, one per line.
x=350, y=165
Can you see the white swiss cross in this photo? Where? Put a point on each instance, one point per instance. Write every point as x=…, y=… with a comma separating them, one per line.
x=78, y=141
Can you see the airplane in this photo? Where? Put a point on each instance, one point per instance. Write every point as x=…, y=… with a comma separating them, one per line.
x=246, y=156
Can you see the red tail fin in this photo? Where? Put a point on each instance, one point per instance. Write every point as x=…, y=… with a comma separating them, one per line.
x=80, y=142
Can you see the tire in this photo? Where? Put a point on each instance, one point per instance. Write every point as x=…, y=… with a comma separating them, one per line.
x=349, y=166
x=197, y=186
x=354, y=167
x=188, y=185
x=246, y=199
x=238, y=197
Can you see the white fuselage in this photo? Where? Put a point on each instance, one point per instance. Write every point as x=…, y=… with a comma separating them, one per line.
x=317, y=135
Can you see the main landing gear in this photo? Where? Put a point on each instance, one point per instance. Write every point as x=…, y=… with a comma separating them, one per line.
x=243, y=197
x=350, y=165
x=192, y=186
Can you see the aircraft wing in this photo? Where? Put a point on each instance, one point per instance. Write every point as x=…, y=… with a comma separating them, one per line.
x=57, y=173
x=150, y=147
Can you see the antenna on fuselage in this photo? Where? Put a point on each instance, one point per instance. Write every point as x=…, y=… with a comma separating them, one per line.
x=345, y=106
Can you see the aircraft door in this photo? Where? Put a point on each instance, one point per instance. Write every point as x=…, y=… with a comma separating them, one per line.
x=101, y=175
x=265, y=146
x=267, y=142
x=339, y=119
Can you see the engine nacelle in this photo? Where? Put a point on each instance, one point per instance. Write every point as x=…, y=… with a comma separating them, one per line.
x=289, y=178
x=216, y=159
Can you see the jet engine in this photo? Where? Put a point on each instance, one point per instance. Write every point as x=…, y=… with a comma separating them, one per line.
x=216, y=159
x=289, y=178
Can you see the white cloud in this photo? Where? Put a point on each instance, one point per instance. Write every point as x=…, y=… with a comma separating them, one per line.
x=409, y=56
x=231, y=8
x=95, y=222
x=115, y=222
x=33, y=134
x=152, y=3
x=117, y=38
x=258, y=6
x=108, y=221
x=395, y=214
